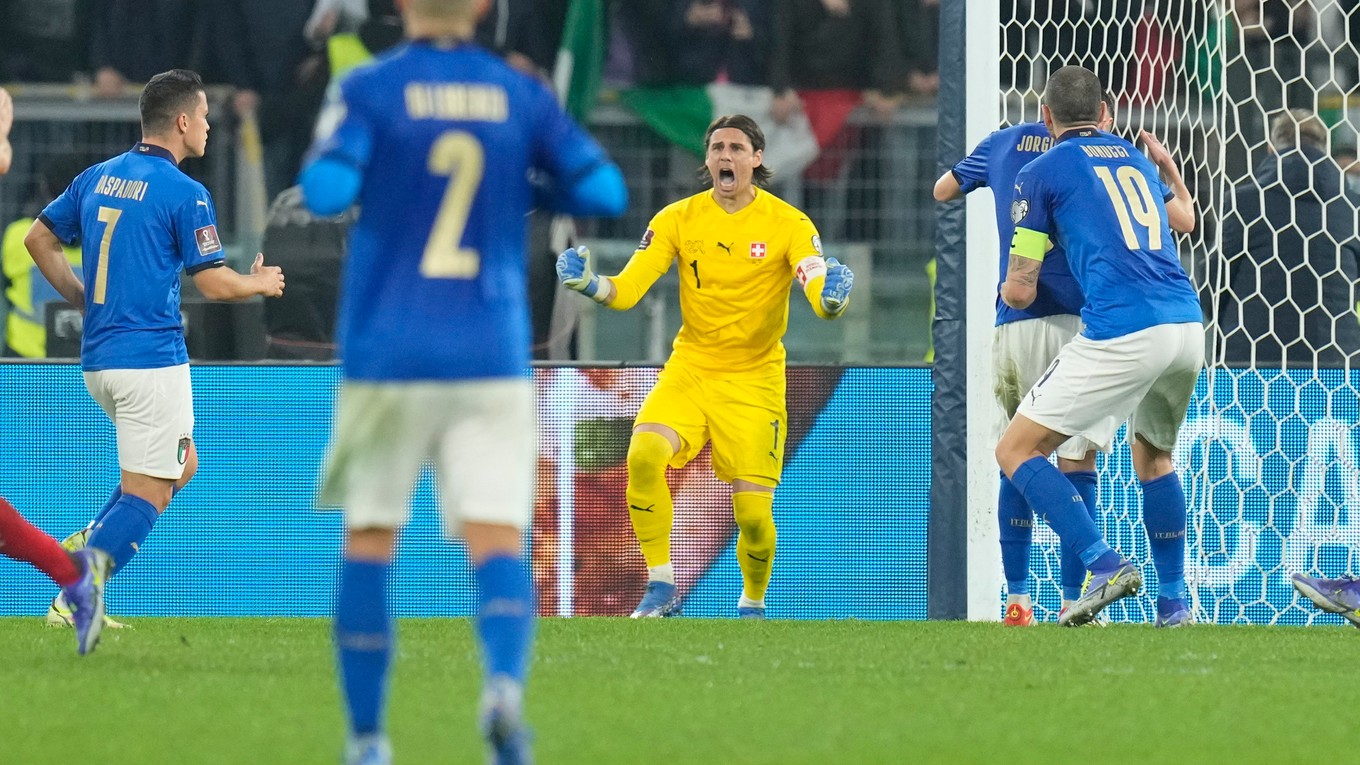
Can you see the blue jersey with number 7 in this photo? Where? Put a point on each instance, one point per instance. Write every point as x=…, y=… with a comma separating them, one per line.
x=445, y=137
x=1096, y=196
x=140, y=221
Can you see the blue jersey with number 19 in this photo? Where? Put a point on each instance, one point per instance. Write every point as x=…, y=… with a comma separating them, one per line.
x=140, y=220
x=445, y=136
x=1095, y=195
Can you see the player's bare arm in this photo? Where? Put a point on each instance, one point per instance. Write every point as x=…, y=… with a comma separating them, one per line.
x=1180, y=212
x=225, y=284
x=1028, y=248
x=45, y=249
x=947, y=188
x=6, y=122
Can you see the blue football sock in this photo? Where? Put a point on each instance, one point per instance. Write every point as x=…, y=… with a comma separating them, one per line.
x=104, y=511
x=1073, y=569
x=1056, y=499
x=123, y=529
x=505, y=615
x=363, y=642
x=1164, y=518
x=1017, y=534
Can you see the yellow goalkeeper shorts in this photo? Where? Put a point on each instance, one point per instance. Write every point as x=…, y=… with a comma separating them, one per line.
x=746, y=420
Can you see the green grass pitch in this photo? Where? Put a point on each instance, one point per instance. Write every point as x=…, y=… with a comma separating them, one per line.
x=678, y=691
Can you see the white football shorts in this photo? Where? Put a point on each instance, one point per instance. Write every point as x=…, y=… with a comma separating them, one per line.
x=1146, y=377
x=480, y=436
x=1021, y=351
x=153, y=415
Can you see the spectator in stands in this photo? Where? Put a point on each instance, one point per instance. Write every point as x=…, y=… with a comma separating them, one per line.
x=831, y=55
x=259, y=48
x=918, y=24
x=717, y=40
x=132, y=40
x=42, y=40
x=26, y=291
x=1290, y=246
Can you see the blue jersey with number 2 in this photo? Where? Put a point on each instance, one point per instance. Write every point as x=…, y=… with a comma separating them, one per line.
x=1096, y=196
x=445, y=137
x=140, y=221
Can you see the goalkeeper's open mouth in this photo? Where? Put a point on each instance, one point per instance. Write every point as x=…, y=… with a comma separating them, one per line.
x=727, y=179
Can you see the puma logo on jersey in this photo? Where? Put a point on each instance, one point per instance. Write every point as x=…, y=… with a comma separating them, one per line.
x=725, y=247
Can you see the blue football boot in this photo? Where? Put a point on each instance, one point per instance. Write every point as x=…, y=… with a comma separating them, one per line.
x=85, y=598
x=502, y=716
x=1338, y=596
x=372, y=749
x=1173, y=612
x=661, y=599
x=1101, y=590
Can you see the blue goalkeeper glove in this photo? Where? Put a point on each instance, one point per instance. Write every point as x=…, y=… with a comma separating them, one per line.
x=573, y=270
x=836, y=288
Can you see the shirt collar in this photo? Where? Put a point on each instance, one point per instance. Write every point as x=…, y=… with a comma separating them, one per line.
x=1079, y=132
x=151, y=150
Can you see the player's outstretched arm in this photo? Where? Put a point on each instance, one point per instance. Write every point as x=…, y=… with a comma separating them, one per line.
x=225, y=284
x=45, y=249
x=1180, y=212
x=6, y=122
x=600, y=192
x=329, y=186
x=947, y=188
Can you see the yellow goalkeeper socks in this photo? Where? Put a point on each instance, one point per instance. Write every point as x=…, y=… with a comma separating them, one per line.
x=649, y=498
x=754, y=511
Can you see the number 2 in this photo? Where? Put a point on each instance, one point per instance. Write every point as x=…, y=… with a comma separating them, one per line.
x=109, y=217
x=1136, y=198
x=459, y=156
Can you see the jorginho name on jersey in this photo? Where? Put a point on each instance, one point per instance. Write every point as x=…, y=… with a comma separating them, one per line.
x=140, y=220
x=445, y=137
x=994, y=164
x=1103, y=202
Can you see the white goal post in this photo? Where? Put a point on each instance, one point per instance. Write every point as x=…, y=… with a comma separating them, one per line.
x=1269, y=454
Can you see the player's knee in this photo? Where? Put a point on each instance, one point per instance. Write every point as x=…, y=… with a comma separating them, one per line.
x=648, y=455
x=754, y=513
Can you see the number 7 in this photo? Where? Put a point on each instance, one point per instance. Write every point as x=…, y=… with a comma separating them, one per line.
x=109, y=217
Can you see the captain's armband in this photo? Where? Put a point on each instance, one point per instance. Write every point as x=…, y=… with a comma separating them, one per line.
x=1031, y=244
x=809, y=268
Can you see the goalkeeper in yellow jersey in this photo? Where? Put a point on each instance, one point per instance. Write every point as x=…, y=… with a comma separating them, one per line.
x=738, y=249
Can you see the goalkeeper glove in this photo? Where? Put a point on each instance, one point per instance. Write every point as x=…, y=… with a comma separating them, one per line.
x=836, y=288
x=573, y=270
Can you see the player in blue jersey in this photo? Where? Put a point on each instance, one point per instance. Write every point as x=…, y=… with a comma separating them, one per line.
x=436, y=142
x=141, y=221
x=1027, y=340
x=1140, y=350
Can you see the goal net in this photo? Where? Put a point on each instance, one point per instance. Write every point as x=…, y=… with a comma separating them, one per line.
x=1268, y=455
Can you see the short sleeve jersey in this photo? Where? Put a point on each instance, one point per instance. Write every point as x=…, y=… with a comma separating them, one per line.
x=445, y=136
x=736, y=270
x=994, y=164
x=140, y=221
x=1096, y=196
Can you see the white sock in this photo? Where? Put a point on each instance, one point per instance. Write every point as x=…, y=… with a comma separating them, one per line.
x=746, y=602
x=662, y=573
x=1023, y=600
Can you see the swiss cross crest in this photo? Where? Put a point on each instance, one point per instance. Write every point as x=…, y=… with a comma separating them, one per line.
x=757, y=249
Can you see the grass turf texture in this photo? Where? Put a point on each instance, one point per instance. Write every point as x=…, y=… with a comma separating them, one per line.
x=202, y=691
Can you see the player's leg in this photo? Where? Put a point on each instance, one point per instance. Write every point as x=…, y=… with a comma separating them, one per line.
x=1081, y=471
x=486, y=467
x=1155, y=426
x=669, y=431
x=152, y=412
x=1021, y=353
x=749, y=427
x=375, y=458
x=1088, y=391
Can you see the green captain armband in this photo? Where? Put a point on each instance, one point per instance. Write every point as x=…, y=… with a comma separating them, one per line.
x=1031, y=244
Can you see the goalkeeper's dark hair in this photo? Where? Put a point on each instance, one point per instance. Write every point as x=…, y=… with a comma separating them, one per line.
x=1297, y=128
x=1073, y=96
x=166, y=96
x=761, y=175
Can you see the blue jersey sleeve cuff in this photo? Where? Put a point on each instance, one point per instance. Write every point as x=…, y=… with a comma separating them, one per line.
x=965, y=185
x=46, y=221
x=205, y=266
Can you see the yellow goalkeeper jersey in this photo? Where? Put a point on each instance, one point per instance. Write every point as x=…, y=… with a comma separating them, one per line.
x=735, y=273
